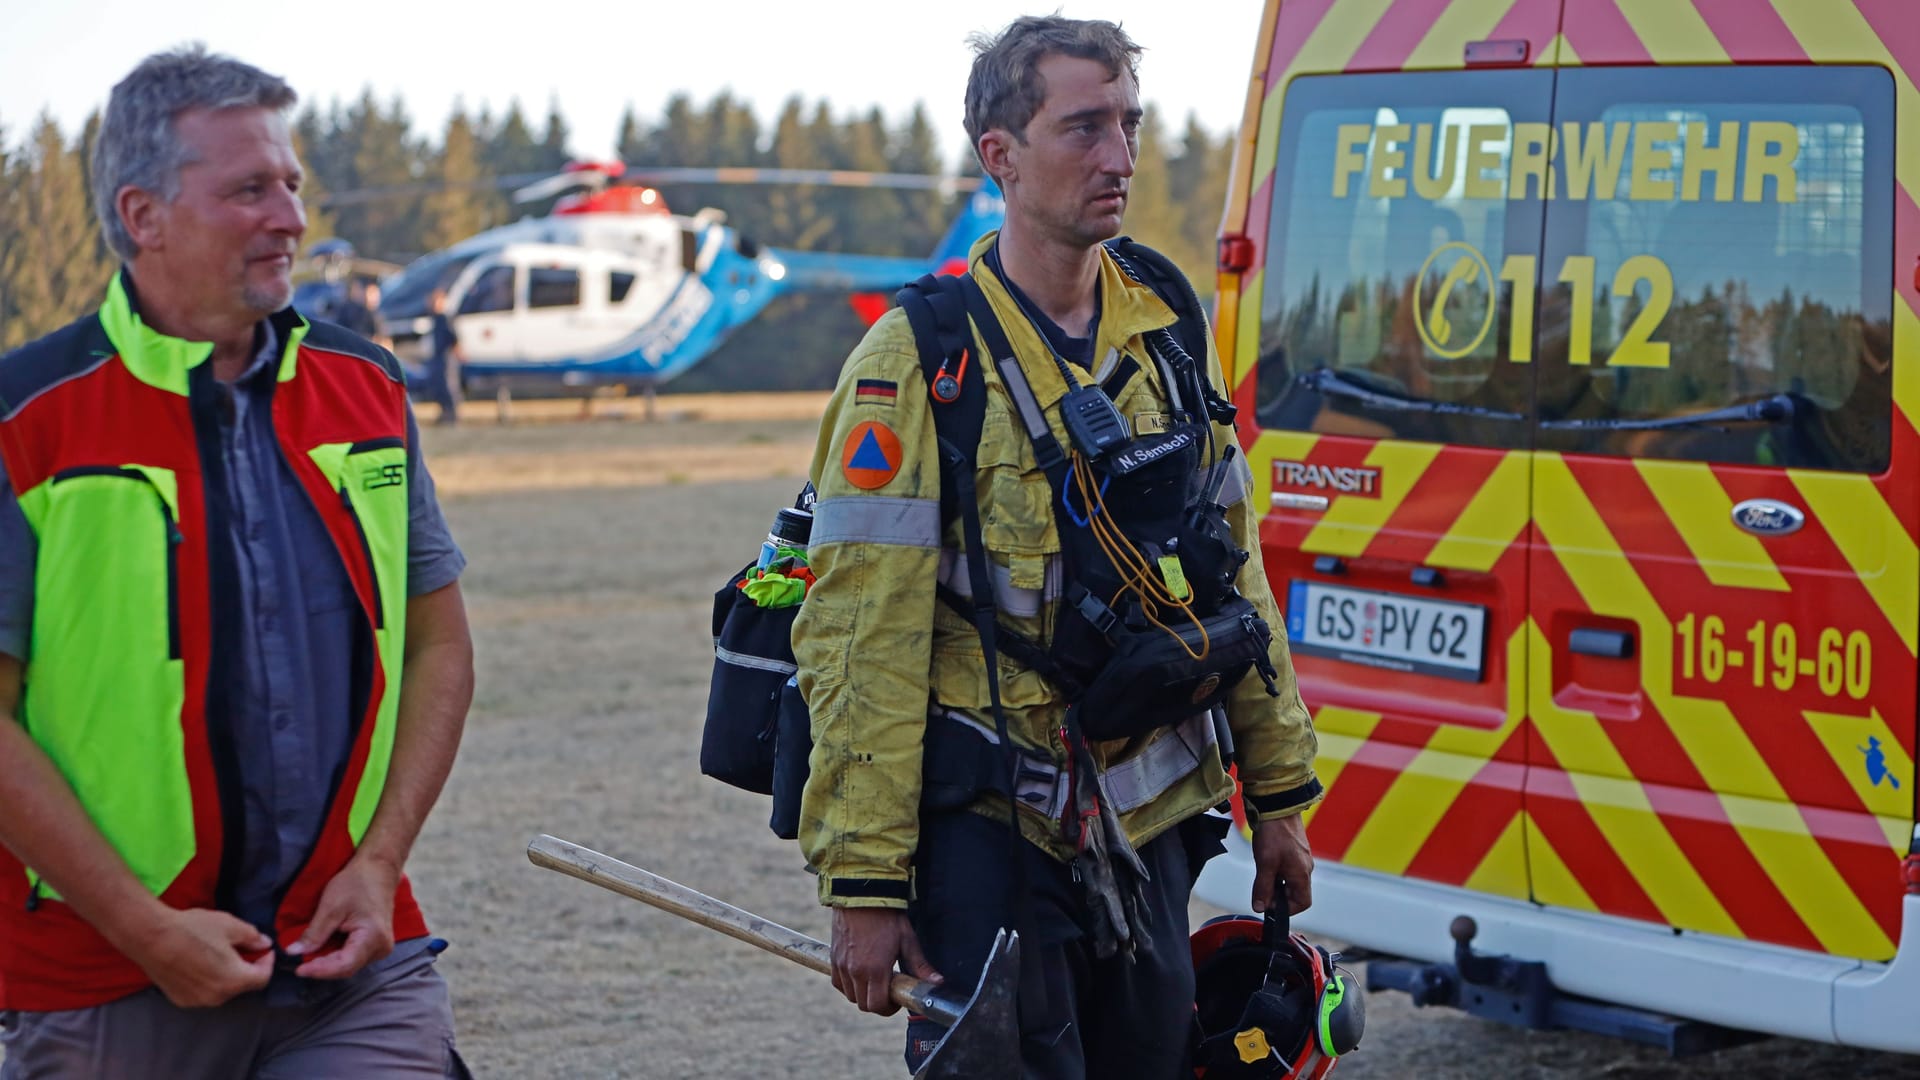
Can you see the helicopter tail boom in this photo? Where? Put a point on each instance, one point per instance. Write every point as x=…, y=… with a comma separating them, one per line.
x=836, y=272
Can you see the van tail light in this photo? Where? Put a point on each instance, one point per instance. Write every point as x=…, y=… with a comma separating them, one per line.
x=1910, y=867
x=1916, y=273
x=1236, y=253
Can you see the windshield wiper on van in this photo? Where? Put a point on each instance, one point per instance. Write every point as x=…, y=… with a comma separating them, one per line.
x=1778, y=409
x=1333, y=384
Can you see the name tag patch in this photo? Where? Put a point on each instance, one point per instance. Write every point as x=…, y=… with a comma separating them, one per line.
x=1142, y=452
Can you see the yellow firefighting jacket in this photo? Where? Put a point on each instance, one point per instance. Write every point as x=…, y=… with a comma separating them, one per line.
x=878, y=651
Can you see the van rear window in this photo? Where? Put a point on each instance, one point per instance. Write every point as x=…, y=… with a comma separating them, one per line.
x=1687, y=263
x=1744, y=259
x=1390, y=224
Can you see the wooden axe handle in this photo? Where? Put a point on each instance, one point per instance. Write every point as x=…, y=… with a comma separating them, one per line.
x=649, y=888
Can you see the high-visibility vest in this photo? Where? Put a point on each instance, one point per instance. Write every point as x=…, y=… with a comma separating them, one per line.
x=109, y=433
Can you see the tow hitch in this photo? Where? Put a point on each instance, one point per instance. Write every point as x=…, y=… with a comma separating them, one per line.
x=1519, y=993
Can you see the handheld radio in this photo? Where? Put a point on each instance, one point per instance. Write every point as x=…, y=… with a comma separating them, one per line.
x=1093, y=421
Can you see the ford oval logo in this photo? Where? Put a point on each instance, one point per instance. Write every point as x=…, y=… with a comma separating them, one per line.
x=1768, y=517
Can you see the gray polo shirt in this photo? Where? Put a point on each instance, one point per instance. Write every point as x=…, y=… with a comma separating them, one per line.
x=294, y=720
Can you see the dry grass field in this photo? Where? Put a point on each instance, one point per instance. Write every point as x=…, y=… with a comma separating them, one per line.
x=595, y=548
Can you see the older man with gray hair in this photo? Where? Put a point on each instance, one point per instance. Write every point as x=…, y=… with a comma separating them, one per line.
x=231, y=637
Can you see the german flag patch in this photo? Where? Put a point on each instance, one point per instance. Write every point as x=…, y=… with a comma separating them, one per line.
x=875, y=392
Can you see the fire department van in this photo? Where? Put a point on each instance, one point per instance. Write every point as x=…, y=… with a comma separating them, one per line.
x=1576, y=348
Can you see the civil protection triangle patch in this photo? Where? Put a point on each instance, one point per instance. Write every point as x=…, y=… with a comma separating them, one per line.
x=871, y=456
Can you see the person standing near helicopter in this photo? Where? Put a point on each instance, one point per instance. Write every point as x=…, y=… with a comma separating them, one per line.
x=444, y=358
x=358, y=312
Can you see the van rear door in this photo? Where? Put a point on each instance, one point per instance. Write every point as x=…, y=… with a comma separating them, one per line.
x=1725, y=490
x=1393, y=454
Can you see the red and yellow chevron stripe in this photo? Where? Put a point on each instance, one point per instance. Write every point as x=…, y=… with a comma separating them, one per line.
x=1736, y=806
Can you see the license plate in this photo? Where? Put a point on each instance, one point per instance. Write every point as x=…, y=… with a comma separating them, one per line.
x=1387, y=630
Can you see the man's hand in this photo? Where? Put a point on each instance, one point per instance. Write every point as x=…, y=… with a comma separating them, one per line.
x=1280, y=854
x=866, y=942
x=357, y=903
x=195, y=957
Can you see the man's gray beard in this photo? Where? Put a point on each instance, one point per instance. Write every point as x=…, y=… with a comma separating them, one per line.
x=268, y=299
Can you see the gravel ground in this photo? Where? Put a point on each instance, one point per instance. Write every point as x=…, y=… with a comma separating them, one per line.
x=595, y=551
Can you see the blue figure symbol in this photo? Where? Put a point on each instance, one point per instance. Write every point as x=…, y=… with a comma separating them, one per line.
x=1877, y=763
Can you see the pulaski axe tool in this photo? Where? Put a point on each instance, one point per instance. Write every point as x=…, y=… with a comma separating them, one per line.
x=983, y=1028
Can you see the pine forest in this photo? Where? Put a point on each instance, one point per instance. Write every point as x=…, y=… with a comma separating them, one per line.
x=396, y=192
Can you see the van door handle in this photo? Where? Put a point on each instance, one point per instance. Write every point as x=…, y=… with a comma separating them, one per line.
x=1592, y=641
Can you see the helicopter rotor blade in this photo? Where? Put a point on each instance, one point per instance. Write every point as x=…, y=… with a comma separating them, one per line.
x=559, y=184
x=816, y=177
x=361, y=196
x=532, y=187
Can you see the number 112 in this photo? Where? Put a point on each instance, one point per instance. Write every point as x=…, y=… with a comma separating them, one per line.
x=1635, y=348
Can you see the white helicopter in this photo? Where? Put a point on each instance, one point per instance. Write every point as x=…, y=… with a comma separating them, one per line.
x=613, y=289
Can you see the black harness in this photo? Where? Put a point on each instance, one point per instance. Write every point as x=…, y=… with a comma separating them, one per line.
x=1152, y=630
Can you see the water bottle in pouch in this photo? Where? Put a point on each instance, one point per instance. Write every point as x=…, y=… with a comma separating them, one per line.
x=791, y=528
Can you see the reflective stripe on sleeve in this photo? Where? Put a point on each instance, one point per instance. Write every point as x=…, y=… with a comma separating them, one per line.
x=877, y=519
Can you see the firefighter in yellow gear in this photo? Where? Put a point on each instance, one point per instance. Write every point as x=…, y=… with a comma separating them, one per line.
x=886, y=665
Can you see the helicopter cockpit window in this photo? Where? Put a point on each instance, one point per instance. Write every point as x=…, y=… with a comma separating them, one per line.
x=619, y=283
x=492, y=291
x=409, y=294
x=550, y=287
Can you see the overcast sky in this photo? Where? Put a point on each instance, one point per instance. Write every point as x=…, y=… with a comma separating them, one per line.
x=595, y=58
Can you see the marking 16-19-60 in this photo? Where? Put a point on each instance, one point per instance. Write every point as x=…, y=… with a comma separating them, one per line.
x=1837, y=662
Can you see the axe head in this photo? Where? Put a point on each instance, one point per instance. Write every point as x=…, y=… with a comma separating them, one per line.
x=983, y=1041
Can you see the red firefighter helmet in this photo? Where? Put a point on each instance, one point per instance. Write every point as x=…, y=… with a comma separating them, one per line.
x=1268, y=1003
